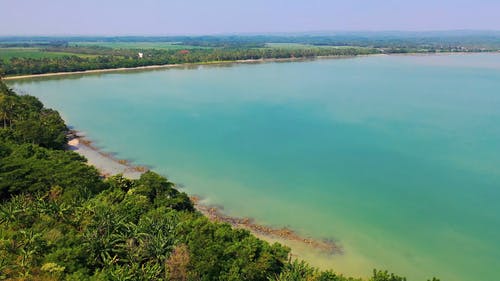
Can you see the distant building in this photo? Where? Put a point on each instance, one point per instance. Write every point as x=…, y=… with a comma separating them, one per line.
x=140, y=55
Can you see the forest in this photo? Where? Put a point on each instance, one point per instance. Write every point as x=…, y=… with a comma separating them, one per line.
x=61, y=220
x=106, y=58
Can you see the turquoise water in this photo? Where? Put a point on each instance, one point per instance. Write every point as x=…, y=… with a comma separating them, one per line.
x=395, y=157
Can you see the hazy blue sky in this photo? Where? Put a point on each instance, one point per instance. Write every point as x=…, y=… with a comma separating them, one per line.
x=167, y=17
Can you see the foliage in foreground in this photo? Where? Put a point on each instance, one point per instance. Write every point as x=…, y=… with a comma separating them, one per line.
x=25, y=120
x=60, y=221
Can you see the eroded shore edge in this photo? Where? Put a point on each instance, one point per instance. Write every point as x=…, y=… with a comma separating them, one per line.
x=76, y=141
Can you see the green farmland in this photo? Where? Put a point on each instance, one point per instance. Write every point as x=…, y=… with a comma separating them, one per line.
x=34, y=53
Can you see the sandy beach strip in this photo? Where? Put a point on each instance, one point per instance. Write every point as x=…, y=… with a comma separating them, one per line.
x=91, y=71
x=104, y=162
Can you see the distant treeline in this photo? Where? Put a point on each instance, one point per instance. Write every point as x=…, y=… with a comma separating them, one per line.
x=59, y=220
x=371, y=40
x=107, y=58
x=24, y=44
x=443, y=39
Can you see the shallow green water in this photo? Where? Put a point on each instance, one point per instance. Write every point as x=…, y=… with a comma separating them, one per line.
x=396, y=157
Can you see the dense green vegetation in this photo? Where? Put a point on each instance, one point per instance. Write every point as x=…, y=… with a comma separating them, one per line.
x=37, y=55
x=59, y=220
x=408, y=39
x=106, y=58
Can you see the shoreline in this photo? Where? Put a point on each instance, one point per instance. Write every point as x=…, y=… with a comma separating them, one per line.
x=109, y=165
x=180, y=65
x=215, y=213
x=106, y=163
x=247, y=61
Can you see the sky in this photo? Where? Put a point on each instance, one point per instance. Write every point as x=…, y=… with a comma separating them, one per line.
x=194, y=17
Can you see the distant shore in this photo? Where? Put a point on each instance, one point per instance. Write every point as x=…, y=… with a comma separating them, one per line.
x=180, y=65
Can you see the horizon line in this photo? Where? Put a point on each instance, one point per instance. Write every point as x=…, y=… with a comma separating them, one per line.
x=275, y=33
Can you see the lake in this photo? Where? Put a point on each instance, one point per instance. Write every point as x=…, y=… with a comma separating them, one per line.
x=397, y=158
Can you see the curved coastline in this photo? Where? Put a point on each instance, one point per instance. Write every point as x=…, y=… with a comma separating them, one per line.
x=109, y=165
x=353, y=251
